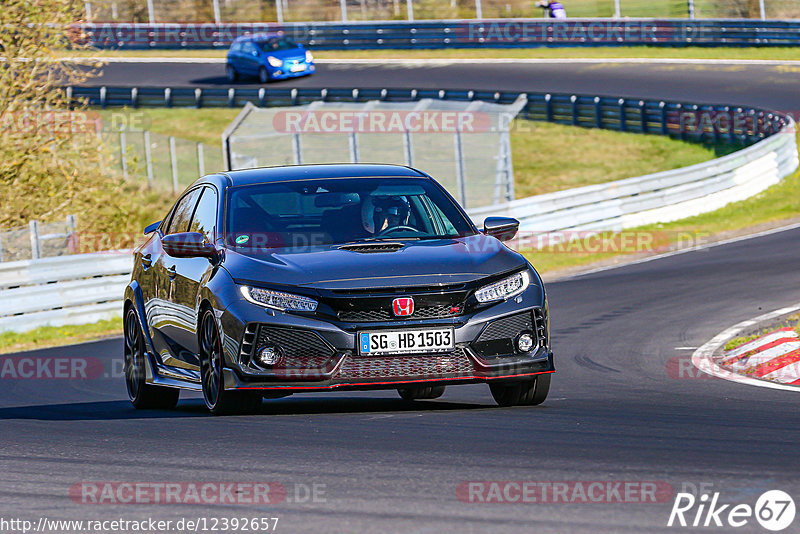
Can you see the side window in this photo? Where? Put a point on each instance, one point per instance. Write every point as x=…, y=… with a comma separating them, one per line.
x=247, y=48
x=183, y=213
x=205, y=216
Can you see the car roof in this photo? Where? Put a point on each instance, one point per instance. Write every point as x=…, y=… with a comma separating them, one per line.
x=258, y=37
x=319, y=171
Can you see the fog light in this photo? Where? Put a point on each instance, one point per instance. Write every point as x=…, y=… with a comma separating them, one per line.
x=269, y=355
x=525, y=342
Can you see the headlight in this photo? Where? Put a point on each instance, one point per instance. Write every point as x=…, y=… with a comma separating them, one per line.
x=504, y=289
x=278, y=300
x=309, y=57
x=275, y=62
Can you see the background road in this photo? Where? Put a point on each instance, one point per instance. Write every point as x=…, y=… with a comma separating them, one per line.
x=615, y=412
x=773, y=87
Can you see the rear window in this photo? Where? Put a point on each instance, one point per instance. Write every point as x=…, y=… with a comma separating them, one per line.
x=338, y=211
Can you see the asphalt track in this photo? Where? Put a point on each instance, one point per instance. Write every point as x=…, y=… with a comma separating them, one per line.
x=616, y=412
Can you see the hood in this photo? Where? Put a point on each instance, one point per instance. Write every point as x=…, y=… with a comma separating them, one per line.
x=291, y=53
x=418, y=263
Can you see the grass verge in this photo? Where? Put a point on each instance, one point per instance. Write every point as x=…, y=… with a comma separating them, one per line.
x=792, y=320
x=53, y=336
x=655, y=52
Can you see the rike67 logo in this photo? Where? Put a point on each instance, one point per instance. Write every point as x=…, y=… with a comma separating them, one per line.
x=774, y=510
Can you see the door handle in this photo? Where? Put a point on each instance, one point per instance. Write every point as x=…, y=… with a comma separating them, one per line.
x=172, y=272
x=147, y=261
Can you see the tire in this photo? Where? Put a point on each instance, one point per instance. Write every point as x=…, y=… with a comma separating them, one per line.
x=263, y=75
x=527, y=393
x=219, y=401
x=142, y=395
x=421, y=392
x=231, y=74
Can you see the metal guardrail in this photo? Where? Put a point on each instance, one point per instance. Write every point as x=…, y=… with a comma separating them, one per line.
x=688, y=121
x=495, y=33
x=77, y=289
x=660, y=197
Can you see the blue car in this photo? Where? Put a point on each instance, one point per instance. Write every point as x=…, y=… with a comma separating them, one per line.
x=270, y=56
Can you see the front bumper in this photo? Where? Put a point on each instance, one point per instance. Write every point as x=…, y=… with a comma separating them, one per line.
x=281, y=73
x=330, y=359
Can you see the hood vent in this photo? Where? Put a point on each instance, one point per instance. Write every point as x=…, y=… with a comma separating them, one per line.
x=367, y=248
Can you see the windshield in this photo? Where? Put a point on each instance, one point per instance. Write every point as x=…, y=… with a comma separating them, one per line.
x=338, y=211
x=277, y=43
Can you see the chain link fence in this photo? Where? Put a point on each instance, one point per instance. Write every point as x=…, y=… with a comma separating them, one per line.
x=373, y=10
x=38, y=240
x=167, y=163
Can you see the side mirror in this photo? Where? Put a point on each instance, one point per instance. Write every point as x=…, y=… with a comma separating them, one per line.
x=149, y=229
x=503, y=228
x=188, y=245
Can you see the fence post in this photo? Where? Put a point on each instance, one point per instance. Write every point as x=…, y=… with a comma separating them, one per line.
x=36, y=248
x=617, y=10
x=460, y=181
x=174, y=159
x=217, y=16
x=762, y=9
x=664, y=126
x=574, y=100
x=478, y=9
x=643, y=111
x=548, y=107
x=123, y=154
x=343, y=9
x=690, y=7
x=1, y=247
x=201, y=164
x=407, y=149
x=410, y=10
x=623, y=119
x=297, y=150
x=279, y=10
x=88, y=8
x=151, y=16
x=72, y=241
x=148, y=158
x=353, y=147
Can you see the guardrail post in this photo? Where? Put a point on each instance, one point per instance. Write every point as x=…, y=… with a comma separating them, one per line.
x=134, y=97
x=167, y=97
x=231, y=97
x=201, y=164
x=123, y=154
x=1, y=247
x=262, y=94
x=217, y=15
x=460, y=179
x=293, y=95
x=598, y=113
x=664, y=126
x=72, y=228
x=103, y=96
x=343, y=9
x=148, y=158
x=36, y=249
x=198, y=97
x=548, y=107
x=409, y=10
x=574, y=100
x=643, y=115
x=623, y=126
x=174, y=160
x=478, y=10
x=279, y=10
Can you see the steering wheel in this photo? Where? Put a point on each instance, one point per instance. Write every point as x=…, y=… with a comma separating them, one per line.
x=396, y=228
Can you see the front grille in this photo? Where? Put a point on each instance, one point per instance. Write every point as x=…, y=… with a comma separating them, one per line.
x=374, y=316
x=301, y=349
x=453, y=363
x=497, y=339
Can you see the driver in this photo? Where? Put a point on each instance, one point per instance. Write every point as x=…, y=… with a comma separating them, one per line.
x=381, y=213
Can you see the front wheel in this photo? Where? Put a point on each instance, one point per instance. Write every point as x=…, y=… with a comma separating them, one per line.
x=218, y=400
x=527, y=393
x=142, y=395
x=263, y=75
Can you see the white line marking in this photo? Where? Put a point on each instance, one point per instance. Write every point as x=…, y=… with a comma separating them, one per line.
x=702, y=358
x=685, y=348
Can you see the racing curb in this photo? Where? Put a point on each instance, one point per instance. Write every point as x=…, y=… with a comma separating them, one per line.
x=703, y=356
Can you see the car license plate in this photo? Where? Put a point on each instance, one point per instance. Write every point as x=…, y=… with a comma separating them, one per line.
x=406, y=341
x=298, y=68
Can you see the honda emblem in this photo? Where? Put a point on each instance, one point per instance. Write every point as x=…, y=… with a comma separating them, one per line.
x=403, y=306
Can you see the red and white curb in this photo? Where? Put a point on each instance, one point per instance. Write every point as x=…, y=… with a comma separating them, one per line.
x=771, y=361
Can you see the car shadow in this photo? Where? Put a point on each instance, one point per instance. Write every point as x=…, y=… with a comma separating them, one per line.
x=122, y=410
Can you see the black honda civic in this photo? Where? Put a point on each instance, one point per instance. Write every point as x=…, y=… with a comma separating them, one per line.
x=266, y=282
